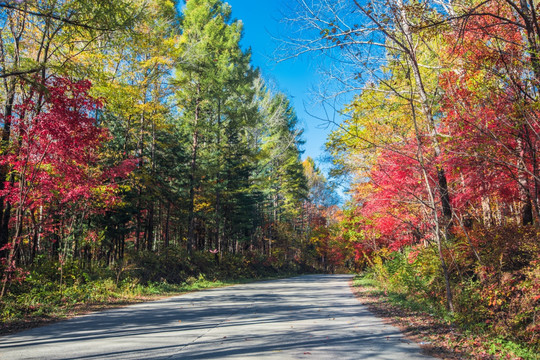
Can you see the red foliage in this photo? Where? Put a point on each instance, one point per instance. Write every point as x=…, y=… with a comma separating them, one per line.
x=395, y=205
x=490, y=144
x=55, y=152
x=490, y=122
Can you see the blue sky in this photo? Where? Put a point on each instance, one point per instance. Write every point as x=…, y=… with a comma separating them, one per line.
x=295, y=77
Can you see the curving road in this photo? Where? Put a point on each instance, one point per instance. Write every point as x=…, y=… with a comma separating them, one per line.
x=307, y=317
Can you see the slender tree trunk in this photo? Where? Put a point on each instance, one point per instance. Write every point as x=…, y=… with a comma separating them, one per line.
x=442, y=181
x=192, y=175
x=524, y=192
x=166, y=239
x=150, y=228
x=410, y=52
x=217, y=215
x=139, y=240
x=433, y=206
x=138, y=224
x=17, y=26
x=5, y=207
x=122, y=247
x=12, y=251
x=35, y=237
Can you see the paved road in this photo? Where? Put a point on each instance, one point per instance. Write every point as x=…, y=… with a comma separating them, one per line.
x=307, y=317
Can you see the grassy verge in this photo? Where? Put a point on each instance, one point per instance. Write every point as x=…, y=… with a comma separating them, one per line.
x=433, y=328
x=44, y=306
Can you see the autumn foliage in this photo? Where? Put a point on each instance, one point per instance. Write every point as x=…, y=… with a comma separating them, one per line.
x=139, y=143
x=468, y=135
x=56, y=156
x=55, y=168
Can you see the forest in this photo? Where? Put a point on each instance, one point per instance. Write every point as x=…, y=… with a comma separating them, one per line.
x=141, y=146
x=441, y=140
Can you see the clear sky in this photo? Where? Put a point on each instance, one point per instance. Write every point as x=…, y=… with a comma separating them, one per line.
x=296, y=77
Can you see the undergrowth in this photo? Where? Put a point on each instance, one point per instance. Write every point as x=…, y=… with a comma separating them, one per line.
x=48, y=293
x=469, y=335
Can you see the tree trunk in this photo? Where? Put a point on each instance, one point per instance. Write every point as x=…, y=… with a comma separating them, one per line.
x=192, y=183
x=524, y=192
x=5, y=208
x=442, y=181
x=166, y=239
x=150, y=228
x=217, y=214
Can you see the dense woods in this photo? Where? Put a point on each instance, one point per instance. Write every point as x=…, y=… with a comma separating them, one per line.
x=140, y=144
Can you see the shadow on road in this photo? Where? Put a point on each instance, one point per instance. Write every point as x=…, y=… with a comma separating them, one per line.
x=312, y=316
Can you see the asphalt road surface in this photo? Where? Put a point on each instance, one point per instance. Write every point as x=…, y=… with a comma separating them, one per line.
x=307, y=317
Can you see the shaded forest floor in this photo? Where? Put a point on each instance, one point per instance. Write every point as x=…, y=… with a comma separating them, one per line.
x=437, y=337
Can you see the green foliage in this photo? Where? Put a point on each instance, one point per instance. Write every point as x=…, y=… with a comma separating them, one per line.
x=168, y=266
x=508, y=349
x=418, y=282
x=504, y=347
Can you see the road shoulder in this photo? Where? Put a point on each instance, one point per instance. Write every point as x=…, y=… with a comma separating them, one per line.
x=431, y=334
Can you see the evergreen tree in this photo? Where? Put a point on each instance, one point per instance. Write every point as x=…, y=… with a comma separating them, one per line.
x=211, y=69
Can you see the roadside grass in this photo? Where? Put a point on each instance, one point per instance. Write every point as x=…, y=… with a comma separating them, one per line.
x=412, y=304
x=50, y=303
x=435, y=328
x=51, y=290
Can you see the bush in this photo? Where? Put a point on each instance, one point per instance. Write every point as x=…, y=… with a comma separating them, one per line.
x=171, y=266
x=500, y=295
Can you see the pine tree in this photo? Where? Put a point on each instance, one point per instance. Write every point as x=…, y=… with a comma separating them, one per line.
x=211, y=67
